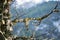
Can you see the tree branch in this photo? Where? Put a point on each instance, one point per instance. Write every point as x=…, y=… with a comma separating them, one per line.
x=27, y=20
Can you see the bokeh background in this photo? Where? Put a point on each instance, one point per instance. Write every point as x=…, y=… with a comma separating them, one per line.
x=48, y=28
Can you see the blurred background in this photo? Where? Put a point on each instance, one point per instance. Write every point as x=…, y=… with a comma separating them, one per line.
x=48, y=28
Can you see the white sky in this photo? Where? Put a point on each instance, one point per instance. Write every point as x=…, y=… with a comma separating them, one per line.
x=20, y=2
x=57, y=24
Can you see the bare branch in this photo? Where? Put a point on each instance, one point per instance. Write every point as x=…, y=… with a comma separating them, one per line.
x=56, y=10
x=27, y=20
x=45, y=16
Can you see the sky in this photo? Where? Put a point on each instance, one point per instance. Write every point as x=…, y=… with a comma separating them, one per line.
x=20, y=2
x=57, y=24
x=42, y=26
x=29, y=3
